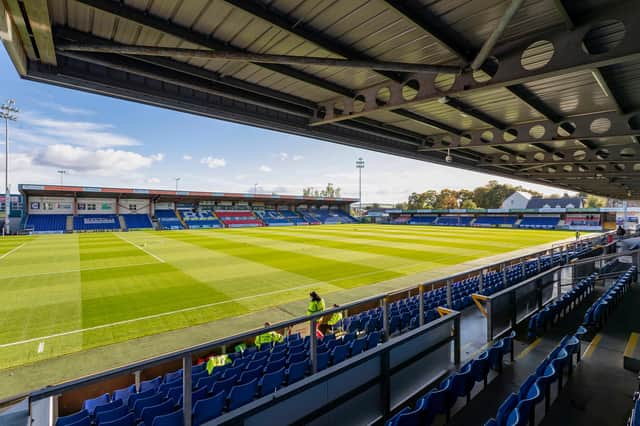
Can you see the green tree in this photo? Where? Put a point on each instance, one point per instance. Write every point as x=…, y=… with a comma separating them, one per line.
x=468, y=204
x=447, y=199
x=593, y=201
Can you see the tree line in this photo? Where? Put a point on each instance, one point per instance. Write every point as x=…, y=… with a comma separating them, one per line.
x=489, y=196
x=329, y=191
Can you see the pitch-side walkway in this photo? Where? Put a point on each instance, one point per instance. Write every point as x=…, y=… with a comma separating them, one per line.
x=56, y=370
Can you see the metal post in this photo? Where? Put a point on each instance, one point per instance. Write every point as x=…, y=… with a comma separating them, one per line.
x=504, y=275
x=7, y=199
x=313, y=347
x=136, y=378
x=421, y=304
x=449, y=295
x=53, y=409
x=539, y=263
x=524, y=268
x=481, y=280
x=489, y=321
x=187, y=362
x=385, y=318
x=456, y=340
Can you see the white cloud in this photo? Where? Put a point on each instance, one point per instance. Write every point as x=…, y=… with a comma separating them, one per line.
x=104, y=162
x=46, y=131
x=265, y=169
x=283, y=156
x=153, y=180
x=213, y=163
x=187, y=157
x=297, y=157
x=66, y=109
x=157, y=157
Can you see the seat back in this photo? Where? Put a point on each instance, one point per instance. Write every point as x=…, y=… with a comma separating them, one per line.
x=109, y=416
x=271, y=382
x=223, y=385
x=151, y=412
x=172, y=419
x=242, y=394
x=322, y=361
x=208, y=408
x=141, y=404
x=124, y=393
x=506, y=408
x=249, y=375
x=152, y=384
x=72, y=418
x=91, y=404
x=128, y=420
x=340, y=353
x=357, y=346
x=296, y=371
x=136, y=396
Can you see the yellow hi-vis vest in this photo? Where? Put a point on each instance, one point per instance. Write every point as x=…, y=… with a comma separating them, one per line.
x=269, y=337
x=217, y=361
x=335, y=318
x=315, y=307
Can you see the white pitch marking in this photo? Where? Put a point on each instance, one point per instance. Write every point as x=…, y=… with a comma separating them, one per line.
x=193, y=308
x=11, y=251
x=69, y=271
x=140, y=248
x=41, y=347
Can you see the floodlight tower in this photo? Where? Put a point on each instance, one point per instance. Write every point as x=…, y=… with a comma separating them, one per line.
x=177, y=180
x=360, y=166
x=62, y=173
x=8, y=112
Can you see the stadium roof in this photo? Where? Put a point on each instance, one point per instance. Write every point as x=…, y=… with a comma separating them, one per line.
x=92, y=191
x=550, y=99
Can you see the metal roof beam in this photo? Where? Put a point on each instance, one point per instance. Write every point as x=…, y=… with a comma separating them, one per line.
x=145, y=19
x=262, y=58
x=568, y=57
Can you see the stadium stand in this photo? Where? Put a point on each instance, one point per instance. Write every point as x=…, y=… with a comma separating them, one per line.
x=102, y=222
x=199, y=219
x=137, y=221
x=508, y=221
x=454, y=220
x=440, y=400
x=330, y=216
x=293, y=217
x=238, y=218
x=309, y=217
x=539, y=222
x=168, y=219
x=274, y=218
x=46, y=223
x=422, y=220
x=403, y=219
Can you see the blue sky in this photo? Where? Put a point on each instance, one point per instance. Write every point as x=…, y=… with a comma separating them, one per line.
x=102, y=141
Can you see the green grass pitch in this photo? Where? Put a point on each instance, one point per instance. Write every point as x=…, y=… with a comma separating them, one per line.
x=65, y=293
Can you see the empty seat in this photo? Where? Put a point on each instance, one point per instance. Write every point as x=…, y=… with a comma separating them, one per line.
x=124, y=393
x=72, y=418
x=242, y=394
x=107, y=407
x=270, y=382
x=152, y=384
x=224, y=385
x=296, y=371
x=208, y=408
x=141, y=404
x=91, y=404
x=128, y=420
x=151, y=412
x=172, y=419
x=109, y=416
x=136, y=396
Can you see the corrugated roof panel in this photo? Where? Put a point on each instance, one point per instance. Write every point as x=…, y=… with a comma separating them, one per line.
x=572, y=94
x=502, y=105
x=447, y=115
x=624, y=82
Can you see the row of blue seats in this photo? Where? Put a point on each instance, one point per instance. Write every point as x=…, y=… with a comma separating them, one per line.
x=137, y=221
x=441, y=399
x=252, y=374
x=634, y=418
x=519, y=409
x=597, y=313
x=561, y=307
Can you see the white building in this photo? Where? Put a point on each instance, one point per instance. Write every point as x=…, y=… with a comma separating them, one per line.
x=517, y=200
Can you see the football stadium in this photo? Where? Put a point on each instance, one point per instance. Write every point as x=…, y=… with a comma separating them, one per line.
x=146, y=306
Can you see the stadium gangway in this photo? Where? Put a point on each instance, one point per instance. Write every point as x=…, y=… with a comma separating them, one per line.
x=512, y=306
x=42, y=404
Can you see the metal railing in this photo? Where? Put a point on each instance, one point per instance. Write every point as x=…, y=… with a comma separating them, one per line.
x=187, y=355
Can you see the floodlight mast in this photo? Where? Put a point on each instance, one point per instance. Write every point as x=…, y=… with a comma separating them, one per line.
x=360, y=166
x=62, y=173
x=8, y=112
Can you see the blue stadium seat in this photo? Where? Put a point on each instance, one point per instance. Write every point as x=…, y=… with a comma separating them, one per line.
x=152, y=384
x=124, y=393
x=270, y=382
x=72, y=418
x=141, y=404
x=322, y=361
x=109, y=416
x=107, y=407
x=357, y=347
x=224, y=385
x=151, y=412
x=91, y=404
x=296, y=371
x=85, y=421
x=172, y=419
x=339, y=353
x=136, y=396
x=128, y=420
x=172, y=376
x=208, y=408
x=242, y=394
x=505, y=409
x=274, y=366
